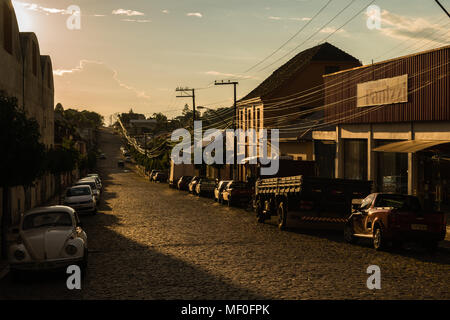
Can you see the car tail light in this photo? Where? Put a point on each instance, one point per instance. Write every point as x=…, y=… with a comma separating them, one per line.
x=71, y=250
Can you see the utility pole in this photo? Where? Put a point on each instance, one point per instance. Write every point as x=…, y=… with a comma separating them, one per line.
x=234, y=83
x=192, y=95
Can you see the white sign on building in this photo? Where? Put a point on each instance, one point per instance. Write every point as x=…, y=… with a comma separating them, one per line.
x=383, y=91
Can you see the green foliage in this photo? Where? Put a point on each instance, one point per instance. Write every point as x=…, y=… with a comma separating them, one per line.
x=63, y=159
x=23, y=156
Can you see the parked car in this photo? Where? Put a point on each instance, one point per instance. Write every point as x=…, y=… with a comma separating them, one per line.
x=237, y=193
x=81, y=199
x=193, y=183
x=128, y=159
x=48, y=238
x=160, y=177
x=394, y=219
x=97, y=179
x=183, y=183
x=102, y=156
x=93, y=184
x=152, y=175
x=219, y=189
x=205, y=187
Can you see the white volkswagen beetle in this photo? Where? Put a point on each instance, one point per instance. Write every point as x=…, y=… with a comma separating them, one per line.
x=48, y=238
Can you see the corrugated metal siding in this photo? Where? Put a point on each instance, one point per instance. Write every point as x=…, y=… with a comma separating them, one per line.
x=430, y=103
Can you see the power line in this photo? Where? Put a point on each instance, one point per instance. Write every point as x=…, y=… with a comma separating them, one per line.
x=323, y=27
x=290, y=39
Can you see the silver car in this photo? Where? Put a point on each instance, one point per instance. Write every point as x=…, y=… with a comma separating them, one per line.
x=93, y=184
x=81, y=198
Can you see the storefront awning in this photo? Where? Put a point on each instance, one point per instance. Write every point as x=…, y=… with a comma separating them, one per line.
x=409, y=146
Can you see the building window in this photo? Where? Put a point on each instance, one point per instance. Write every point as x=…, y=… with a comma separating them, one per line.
x=355, y=159
x=325, y=154
x=7, y=29
x=392, y=170
x=331, y=69
x=34, y=57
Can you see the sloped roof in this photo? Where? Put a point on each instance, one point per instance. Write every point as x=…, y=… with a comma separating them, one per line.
x=321, y=52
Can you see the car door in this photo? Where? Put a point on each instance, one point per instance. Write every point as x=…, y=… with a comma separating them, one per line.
x=361, y=214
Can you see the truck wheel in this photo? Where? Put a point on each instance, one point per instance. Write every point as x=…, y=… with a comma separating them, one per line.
x=378, y=239
x=348, y=233
x=282, y=216
x=259, y=211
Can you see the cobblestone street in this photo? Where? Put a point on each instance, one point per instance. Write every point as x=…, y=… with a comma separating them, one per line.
x=152, y=242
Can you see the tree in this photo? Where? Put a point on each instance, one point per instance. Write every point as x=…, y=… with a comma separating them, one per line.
x=23, y=155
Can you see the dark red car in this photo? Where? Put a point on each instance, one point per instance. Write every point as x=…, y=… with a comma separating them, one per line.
x=238, y=193
x=394, y=219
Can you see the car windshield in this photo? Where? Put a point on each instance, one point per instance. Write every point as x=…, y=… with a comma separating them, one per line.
x=237, y=185
x=46, y=219
x=75, y=192
x=398, y=202
x=92, y=184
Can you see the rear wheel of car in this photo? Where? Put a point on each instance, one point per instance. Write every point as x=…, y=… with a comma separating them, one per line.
x=348, y=233
x=378, y=239
x=282, y=216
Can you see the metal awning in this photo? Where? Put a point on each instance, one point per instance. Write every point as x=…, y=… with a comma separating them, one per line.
x=409, y=146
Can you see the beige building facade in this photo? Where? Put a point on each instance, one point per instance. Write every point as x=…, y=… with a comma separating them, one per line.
x=28, y=76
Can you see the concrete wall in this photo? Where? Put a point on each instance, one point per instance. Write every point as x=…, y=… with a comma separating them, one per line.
x=28, y=76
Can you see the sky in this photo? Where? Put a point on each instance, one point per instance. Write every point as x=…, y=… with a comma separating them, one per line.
x=135, y=53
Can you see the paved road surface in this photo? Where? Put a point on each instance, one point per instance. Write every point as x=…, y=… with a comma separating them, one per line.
x=152, y=242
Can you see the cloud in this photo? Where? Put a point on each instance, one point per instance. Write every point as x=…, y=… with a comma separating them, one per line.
x=194, y=14
x=37, y=8
x=130, y=13
x=331, y=30
x=229, y=75
x=89, y=74
x=165, y=11
x=288, y=19
x=139, y=21
x=414, y=29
